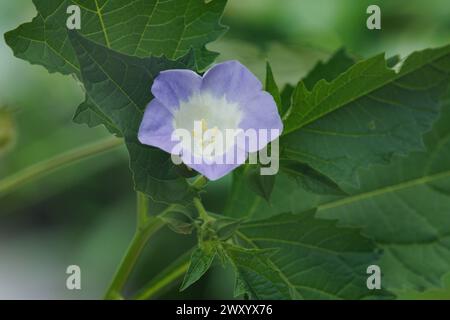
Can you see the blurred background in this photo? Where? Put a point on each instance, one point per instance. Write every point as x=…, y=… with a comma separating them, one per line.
x=85, y=214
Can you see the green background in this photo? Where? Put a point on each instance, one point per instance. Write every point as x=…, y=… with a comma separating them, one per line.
x=84, y=214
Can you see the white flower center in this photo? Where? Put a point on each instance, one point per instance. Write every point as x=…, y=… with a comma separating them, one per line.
x=207, y=119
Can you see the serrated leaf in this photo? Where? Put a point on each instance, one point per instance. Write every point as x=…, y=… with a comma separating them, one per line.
x=262, y=185
x=366, y=115
x=313, y=259
x=141, y=28
x=119, y=85
x=272, y=87
x=338, y=63
x=403, y=207
x=201, y=261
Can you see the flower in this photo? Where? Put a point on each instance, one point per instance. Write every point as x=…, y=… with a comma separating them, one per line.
x=228, y=98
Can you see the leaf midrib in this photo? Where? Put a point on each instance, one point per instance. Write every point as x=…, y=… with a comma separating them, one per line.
x=387, y=189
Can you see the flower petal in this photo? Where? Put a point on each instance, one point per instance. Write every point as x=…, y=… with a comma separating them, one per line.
x=261, y=114
x=213, y=171
x=233, y=80
x=157, y=127
x=173, y=86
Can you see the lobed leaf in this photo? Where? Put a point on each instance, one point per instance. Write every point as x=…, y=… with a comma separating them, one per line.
x=366, y=115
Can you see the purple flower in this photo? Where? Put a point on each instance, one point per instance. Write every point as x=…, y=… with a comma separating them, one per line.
x=228, y=98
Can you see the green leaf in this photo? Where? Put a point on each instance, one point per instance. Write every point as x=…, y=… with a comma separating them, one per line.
x=91, y=115
x=366, y=115
x=339, y=62
x=260, y=184
x=310, y=179
x=178, y=218
x=313, y=259
x=201, y=261
x=403, y=207
x=272, y=87
x=141, y=28
x=286, y=98
x=225, y=227
x=119, y=86
x=255, y=274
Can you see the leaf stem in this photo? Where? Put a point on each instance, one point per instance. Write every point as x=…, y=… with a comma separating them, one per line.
x=45, y=167
x=146, y=227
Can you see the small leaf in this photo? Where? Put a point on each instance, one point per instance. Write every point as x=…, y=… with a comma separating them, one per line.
x=7, y=130
x=179, y=219
x=201, y=261
x=254, y=268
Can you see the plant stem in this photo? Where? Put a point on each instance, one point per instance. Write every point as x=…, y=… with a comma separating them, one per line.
x=201, y=210
x=166, y=278
x=146, y=226
x=47, y=166
x=200, y=182
x=143, y=206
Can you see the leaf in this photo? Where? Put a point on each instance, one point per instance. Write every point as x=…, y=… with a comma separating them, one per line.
x=339, y=62
x=119, y=86
x=286, y=98
x=178, y=218
x=225, y=227
x=262, y=185
x=403, y=207
x=201, y=261
x=141, y=28
x=366, y=115
x=254, y=271
x=272, y=87
x=313, y=259
x=7, y=130
x=91, y=115
x=310, y=179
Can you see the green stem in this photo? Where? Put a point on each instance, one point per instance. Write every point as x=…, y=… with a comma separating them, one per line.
x=45, y=167
x=203, y=214
x=146, y=227
x=200, y=182
x=166, y=278
x=143, y=206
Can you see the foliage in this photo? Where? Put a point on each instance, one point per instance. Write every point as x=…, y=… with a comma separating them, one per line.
x=352, y=151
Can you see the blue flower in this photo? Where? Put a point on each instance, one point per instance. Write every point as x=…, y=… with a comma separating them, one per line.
x=227, y=98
